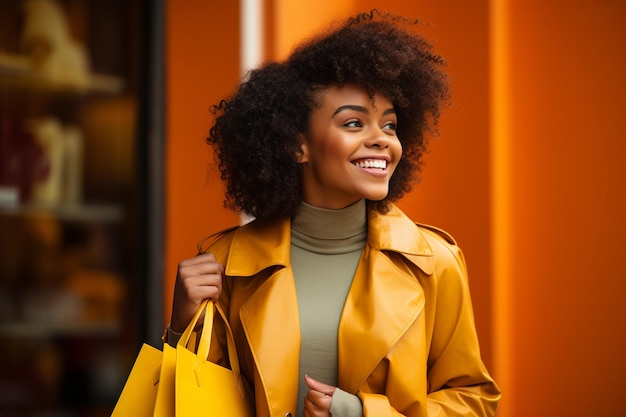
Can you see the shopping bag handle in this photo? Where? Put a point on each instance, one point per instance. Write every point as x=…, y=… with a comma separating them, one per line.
x=207, y=306
x=188, y=332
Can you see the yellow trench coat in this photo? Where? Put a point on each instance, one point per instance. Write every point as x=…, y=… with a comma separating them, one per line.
x=407, y=340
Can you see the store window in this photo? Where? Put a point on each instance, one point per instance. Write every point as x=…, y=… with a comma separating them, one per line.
x=72, y=200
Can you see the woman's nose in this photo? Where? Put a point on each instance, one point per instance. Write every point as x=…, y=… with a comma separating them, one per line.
x=378, y=139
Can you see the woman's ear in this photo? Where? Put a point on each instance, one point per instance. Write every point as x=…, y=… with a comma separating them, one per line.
x=303, y=154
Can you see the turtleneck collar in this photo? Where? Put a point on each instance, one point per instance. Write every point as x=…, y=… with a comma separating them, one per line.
x=329, y=231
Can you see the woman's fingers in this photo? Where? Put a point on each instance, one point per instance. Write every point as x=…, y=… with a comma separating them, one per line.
x=319, y=398
x=198, y=278
x=204, y=264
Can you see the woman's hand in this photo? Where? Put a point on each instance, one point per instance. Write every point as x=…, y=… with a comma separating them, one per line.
x=197, y=279
x=318, y=399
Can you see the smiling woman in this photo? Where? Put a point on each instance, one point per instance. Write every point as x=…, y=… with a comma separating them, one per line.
x=339, y=303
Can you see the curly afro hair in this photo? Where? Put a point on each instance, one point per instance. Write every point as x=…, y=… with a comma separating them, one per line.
x=256, y=132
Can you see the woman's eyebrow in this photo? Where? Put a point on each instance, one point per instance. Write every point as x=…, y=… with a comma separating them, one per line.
x=351, y=107
x=361, y=109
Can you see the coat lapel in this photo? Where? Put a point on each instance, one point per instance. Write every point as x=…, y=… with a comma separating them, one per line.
x=270, y=316
x=385, y=298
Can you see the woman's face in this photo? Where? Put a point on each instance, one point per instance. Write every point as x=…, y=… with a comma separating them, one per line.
x=351, y=149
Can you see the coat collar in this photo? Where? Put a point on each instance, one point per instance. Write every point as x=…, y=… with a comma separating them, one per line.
x=269, y=242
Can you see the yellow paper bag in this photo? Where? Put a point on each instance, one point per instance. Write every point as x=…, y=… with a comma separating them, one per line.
x=164, y=404
x=203, y=385
x=164, y=401
x=139, y=393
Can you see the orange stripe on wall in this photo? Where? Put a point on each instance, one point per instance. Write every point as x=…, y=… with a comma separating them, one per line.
x=501, y=200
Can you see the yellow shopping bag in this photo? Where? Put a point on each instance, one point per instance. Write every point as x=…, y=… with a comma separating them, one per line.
x=203, y=385
x=164, y=401
x=165, y=398
x=181, y=381
x=139, y=393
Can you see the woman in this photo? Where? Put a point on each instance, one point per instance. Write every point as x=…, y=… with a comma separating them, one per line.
x=339, y=303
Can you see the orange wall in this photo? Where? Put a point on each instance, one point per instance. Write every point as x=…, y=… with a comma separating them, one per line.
x=202, y=65
x=559, y=138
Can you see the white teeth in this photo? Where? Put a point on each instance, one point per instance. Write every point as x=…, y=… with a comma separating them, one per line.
x=372, y=163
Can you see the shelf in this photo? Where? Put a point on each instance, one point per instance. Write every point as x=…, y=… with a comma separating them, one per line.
x=17, y=74
x=44, y=330
x=80, y=213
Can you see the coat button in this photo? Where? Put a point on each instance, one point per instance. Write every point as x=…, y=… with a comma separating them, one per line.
x=288, y=414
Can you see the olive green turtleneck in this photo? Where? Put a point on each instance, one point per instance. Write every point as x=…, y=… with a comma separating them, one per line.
x=325, y=249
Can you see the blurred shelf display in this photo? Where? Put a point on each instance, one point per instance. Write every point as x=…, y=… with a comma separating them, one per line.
x=68, y=212
x=18, y=74
x=46, y=330
x=72, y=237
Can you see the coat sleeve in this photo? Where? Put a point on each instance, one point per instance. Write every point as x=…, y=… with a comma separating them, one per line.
x=458, y=384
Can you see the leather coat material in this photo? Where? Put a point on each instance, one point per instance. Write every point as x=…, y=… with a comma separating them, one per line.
x=407, y=339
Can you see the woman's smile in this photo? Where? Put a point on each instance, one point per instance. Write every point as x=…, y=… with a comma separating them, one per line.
x=376, y=167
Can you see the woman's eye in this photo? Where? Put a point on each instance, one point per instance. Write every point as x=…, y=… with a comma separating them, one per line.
x=390, y=126
x=353, y=123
